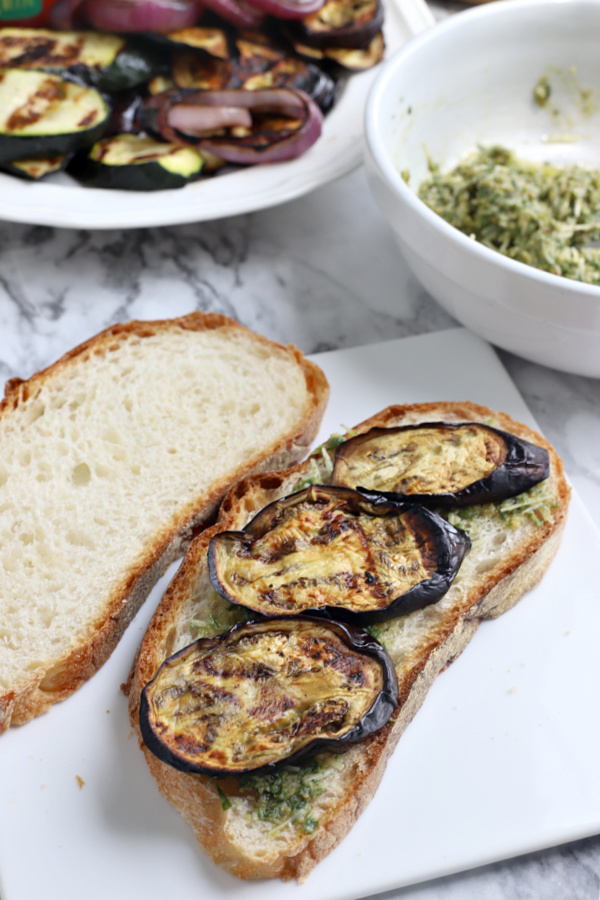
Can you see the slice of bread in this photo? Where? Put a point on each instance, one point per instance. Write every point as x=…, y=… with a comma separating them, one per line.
x=242, y=828
x=111, y=460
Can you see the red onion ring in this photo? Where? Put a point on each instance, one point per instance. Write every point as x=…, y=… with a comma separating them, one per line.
x=282, y=101
x=197, y=120
x=141, y=15
x=62, y=14
x=237, y=13
x=288, y=9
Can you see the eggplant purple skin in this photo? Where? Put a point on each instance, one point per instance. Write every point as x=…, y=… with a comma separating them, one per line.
x=452, y=544
x=353, y=37
x=525, y=465
x=377, y=716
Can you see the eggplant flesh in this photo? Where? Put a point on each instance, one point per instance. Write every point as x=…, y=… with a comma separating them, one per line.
x=254, y=65
x=331, y=551
x=355, y=59
x=267, y=693
x=340, y=23
x=440, y=463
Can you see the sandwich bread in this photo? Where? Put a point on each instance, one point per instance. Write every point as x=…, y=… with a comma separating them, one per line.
x=283, y=824
x=111, y=460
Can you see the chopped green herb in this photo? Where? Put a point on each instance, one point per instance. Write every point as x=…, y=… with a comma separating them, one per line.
x=541, y=215
x=284, y=797
x=376, y=632
x=220, y=616
x=323, y=453
x=535, y=504
x=225, y=801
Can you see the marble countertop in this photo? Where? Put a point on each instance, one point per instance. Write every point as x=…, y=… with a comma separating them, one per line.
x=322, y=272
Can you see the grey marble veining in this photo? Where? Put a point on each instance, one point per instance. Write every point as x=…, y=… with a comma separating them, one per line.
x=322, y=272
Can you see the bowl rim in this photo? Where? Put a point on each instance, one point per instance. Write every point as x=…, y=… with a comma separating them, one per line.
x=391, y=174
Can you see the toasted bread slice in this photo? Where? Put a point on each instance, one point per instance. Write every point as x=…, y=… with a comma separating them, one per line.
x=512, y=544
x=111, y=460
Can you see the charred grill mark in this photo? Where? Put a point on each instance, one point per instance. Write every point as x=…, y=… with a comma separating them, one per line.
x=88, y=120
x=36, y=105
x=330, y=716
x=38, y=51
x=271, y=707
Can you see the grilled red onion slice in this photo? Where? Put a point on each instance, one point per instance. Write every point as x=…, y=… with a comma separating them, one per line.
x=288, y=9
x=237, y=13
x=197, y=120
x=141, y=15
x=270, y=139
x=62, y=15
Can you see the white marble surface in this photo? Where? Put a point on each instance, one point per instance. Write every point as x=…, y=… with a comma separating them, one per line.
x=322, y=272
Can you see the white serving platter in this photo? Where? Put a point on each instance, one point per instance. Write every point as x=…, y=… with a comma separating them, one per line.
x=61, y=201
x=501, y=759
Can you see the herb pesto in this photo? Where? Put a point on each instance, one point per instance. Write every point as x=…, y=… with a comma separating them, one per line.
x=284, y=797
x=539, y=214
x=534, y=504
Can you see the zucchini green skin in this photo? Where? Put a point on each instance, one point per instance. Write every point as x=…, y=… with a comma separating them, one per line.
x=136, y=64
x=150, y=175
x=36, y=169
x=21, y=139
x=105, y=61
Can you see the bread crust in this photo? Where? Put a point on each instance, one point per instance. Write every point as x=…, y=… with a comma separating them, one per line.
x=60, y=677
x=496, y=591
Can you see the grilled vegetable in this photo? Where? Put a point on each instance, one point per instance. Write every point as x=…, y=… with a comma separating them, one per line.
x=236, y=12
x=440, y=463
x=45, y=115
x=210, y=40
x=287, y=9
x=36, y=169
x=340, y=23
x=141, y=15
x=243, y=127
x=105, y=61
x=331, y=550
x=356, y=59
x=134, y=163
x=255, y=64
x=267, y=692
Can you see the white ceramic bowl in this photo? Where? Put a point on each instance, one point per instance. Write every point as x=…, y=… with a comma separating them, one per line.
x=466, y=81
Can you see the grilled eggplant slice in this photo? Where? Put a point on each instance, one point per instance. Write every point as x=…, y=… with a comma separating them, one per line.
x=133, y=163
x=354, y=59
x=45, y=115
x=255, y=64
x=440, y=463
x=340, y=23
x=209, y=40
x=266, y=693
x=105, y=61
x=332, y=551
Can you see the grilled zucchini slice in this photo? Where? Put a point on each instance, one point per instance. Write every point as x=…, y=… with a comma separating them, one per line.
x=130, y=162
x=105, y=61
x=37, y=168
x=42, y=114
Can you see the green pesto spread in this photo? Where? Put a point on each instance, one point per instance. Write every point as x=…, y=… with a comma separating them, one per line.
x=538, y=214
x=535, y=504
x=284, y=797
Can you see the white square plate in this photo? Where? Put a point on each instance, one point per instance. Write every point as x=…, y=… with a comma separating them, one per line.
x=501, y=759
